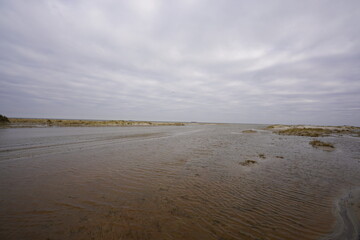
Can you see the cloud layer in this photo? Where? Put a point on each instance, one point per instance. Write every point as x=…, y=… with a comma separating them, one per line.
x=220, y=61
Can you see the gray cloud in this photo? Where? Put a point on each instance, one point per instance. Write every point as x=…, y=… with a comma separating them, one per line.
x=223, y=61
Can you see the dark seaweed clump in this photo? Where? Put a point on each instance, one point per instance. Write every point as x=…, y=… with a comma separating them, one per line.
x=317, y=143
x=248, y=163
x=249, y=131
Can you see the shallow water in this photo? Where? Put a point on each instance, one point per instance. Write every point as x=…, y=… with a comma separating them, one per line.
x=171, y=183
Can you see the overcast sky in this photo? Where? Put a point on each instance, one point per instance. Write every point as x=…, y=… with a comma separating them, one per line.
x=216, y=61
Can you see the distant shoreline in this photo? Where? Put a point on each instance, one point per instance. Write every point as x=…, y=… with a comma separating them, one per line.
x=37, y=122
x=50, y=122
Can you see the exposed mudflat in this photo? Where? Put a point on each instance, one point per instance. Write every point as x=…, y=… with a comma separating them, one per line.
x=176, y=182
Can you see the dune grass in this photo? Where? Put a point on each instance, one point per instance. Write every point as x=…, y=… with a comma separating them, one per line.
x=313, y=131
x=32, y=122
x=310, y=132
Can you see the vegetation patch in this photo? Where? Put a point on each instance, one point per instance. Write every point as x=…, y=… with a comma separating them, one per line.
x=248, y=163
x=273, y=126
x=261, y=155
x=249, y=131
x=309, y=132
x=317, y=143
x=33, y=122
x=314, y=131
x=4, y=119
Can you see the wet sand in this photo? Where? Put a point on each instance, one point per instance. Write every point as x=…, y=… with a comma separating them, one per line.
x=173, y=182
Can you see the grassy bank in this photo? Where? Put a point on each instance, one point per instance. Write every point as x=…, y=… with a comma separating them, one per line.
x=314, y=131
x=33, y=122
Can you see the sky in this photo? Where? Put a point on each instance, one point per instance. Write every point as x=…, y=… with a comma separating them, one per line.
x=270, y=61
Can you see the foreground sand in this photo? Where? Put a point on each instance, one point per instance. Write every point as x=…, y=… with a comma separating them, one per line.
x=347, y=212
x=192, y=182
